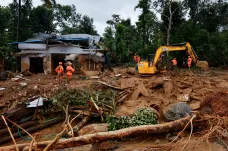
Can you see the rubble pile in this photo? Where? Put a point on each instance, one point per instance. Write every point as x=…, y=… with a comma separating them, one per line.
x=86, y=103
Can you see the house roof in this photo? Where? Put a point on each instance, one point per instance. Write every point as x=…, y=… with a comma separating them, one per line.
x=42, y=37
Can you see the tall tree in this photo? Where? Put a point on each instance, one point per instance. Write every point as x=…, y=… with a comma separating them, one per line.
x=172, y=17
x=86, y=26
x=167, y=9
x=41, y=19
x=48, y=3
x=144, y=5
x=67, y=18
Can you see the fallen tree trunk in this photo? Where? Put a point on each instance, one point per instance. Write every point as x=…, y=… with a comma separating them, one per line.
x=30, y=130
x=173, y=126
x=14, y=129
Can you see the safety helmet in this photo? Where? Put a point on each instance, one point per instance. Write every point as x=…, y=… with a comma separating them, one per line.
x=60, y=63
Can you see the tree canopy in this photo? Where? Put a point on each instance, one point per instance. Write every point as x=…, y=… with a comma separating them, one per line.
x=202, y=23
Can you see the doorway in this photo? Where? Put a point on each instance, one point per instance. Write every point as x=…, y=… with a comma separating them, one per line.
x=55, y=59
x=36, y=65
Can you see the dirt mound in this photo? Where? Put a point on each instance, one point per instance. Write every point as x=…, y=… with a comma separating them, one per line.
x=216, y=104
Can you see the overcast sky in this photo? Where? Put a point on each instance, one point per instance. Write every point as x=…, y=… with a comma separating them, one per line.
x=99, y=10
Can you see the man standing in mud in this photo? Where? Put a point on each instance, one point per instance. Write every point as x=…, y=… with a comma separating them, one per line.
x=60, y=72
x=69, y=70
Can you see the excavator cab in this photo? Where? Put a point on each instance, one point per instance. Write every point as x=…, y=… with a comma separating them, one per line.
x=150, y=59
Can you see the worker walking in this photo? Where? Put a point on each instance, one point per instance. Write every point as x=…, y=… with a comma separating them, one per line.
x=60, y=71
x=69, y=70
x=136, y=62
x=189, y=61
x=174, y=61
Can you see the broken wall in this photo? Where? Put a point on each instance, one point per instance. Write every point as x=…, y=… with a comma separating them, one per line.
x=25, y=62
x=47, y=64
x=89, y=64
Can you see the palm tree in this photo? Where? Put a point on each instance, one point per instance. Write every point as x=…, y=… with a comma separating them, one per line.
x=48, y=3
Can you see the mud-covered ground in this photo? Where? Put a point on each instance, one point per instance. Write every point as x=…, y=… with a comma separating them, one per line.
x=197, y=84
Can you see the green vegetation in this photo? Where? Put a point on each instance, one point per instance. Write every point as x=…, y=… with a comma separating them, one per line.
x=202, y=23
x=141, y=117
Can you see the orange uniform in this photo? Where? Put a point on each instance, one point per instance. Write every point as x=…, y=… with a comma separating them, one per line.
x=138, y=59
x=174, y=61
x=189, y=61
x=60, y=71
x=135, y=58
x=69, y=71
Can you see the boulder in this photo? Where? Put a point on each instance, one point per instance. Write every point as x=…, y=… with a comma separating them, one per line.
x=93, y=128
x=168, y=87
x=140, y=89
x=131, y=70
x=156, y=82
x=176, y=111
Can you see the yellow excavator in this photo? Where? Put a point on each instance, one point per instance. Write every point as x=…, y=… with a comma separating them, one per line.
x=151, y=66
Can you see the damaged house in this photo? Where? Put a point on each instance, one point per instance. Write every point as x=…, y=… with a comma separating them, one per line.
x=43, y=52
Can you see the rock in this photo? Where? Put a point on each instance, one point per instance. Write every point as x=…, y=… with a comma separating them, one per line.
x=168, y=87
x=203, y=65
x=157, y=82
x=15, y=79
x=140, y=89
x=93, y=128
x=183, y=98
x=23, y=84
x=195, y=105
x=131, y=70
x=35, y=87
x=127, y=83
x=157, y=141
x=176, y=111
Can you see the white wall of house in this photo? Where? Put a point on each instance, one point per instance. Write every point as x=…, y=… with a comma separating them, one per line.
x=25, y=61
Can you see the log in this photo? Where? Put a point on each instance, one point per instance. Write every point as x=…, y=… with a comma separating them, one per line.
x=16, y=114
x=173, y=126
x=109, y=85
x=14, y=129
x=30, y=130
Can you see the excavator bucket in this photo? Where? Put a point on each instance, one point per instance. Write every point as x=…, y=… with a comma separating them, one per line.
x=203, y=65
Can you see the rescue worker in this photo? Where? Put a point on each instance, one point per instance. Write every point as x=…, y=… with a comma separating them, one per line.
x=174, y=61
x=135, y=58
x=59, y=69
x=69, y=71
x=138, y=59
x=189, y=62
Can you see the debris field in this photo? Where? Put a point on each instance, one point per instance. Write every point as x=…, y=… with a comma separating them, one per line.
x=77, y=113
